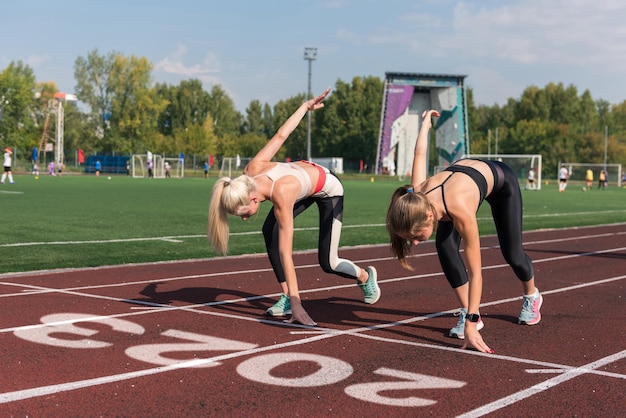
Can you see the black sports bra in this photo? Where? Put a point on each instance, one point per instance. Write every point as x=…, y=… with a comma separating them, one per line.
x=474, y=174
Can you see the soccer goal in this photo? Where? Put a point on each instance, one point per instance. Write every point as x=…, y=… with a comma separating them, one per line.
x=176, y=167
x=139, y=166
x=521, y=164
x=233, y=166
x=578, y=172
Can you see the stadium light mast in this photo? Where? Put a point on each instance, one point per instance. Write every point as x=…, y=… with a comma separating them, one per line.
x=606, y=143
x=309, y=54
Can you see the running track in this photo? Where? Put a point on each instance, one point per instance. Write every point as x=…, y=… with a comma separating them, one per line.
x=190, y=338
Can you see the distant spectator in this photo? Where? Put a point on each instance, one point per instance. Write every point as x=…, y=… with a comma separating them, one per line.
x=51, y=168
x=7, y=166
x=167, y=170
x=602, y=179
x=98, y=168
x=150, y=175
x=563, y=177
x=206, y=169
x=589, y=178
x=531, y=180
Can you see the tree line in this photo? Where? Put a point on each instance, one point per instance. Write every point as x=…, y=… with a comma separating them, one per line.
x=122, y=110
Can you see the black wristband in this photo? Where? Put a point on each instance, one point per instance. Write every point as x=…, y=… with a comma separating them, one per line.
x=472, y=317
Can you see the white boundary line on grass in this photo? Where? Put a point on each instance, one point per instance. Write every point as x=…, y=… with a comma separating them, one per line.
x=179, y=238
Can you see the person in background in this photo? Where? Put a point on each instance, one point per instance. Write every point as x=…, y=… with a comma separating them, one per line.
x=531, y=180
x=292, y=188
x=8, y=153
x=51, y=168
x=98, y=168
x=563, y=177
x=206, y=169
x=447, y=202
x=601, y=179
x=589, y=178
x=167, y=170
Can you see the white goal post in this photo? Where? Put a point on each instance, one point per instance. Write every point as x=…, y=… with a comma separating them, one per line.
x=139, y=166
x=521, y=164
x=176, y=167
x=233, y=166
x=578, y=172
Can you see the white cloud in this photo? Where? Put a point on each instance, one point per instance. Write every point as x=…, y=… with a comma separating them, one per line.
x=558, y=32
x=207, y=71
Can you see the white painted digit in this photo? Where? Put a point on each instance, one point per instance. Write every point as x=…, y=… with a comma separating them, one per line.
x=369, y=392
x=153, y=353
x=331, y=370
x=65, y=323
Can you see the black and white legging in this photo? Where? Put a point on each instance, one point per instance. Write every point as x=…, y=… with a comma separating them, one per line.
x=506, y=209
x=331, y=216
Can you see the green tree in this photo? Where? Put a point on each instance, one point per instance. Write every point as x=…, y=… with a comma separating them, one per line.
x=197, y=138
x=254, y=122
x=93, y=89
x=348, y=126
x=123, y=105
x=226, y=119
x=295, y=146
x=135, y=106
x=18, y=124
x=187, y=103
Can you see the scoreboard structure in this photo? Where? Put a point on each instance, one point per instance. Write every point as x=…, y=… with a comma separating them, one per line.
x=405, y=97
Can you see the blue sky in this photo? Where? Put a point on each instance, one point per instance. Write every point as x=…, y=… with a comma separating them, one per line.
x=255, y=49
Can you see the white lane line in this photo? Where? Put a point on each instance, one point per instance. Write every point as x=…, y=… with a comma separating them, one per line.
x=28, y=393
x=569, y=374
x=46, y=390
x=306, y=266
x=543, y=386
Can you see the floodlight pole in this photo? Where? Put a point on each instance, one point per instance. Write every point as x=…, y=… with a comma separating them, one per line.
x=309, y=54
x=606, y=143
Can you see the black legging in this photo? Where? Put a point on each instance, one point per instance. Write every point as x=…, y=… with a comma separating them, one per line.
x=331, y=215
x=506, y=209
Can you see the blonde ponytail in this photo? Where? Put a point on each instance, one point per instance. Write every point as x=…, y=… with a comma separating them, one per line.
x=227, y=195
x=407, y=214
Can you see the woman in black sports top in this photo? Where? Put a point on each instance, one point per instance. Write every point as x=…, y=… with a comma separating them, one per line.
x=448, y=202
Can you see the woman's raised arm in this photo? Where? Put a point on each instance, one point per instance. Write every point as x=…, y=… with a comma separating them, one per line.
x=418, y=175
x=273, y=145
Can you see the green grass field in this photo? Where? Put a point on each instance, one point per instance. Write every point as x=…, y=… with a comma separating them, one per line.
x=85, y=221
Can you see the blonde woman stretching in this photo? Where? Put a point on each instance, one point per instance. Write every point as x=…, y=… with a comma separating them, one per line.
x=291, y=187
x=448, y=202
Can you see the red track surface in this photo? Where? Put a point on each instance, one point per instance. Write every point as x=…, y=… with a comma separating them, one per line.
x=190, y=338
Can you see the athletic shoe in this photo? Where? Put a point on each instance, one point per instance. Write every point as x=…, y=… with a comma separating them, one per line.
x=370, y=288
x=280, y=308
x=530, y=314
x=459, y=330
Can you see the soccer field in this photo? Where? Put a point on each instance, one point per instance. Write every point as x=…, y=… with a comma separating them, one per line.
x=83, y=221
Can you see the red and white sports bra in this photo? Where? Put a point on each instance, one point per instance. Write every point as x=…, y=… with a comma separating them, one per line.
x=281, y=170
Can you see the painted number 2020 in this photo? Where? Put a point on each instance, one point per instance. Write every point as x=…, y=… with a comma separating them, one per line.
x=64, y=330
